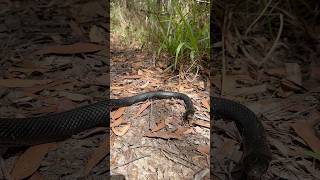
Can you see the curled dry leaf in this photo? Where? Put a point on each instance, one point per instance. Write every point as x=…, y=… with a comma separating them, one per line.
x=119, y=112
x=120, y=131
x=116, y=122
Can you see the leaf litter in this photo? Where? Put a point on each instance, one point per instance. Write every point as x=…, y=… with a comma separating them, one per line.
x=282, y=88
x=156, y=126
x=51, y=51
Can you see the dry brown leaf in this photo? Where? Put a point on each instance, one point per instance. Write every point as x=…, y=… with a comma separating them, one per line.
x=131, y=77
x=183, y=130
x=97, y=155
x=288, y=85
x=305, y=130
x=71, y=49
x=74, y=96
x=159, y=126
x=143, y=107
x=102, y=80
x=249, y=90
x=38, y=88
x=65, y=105
x=90, y=132
x=201, y=123
x=164, y=135
x=30, y=160
x=228, y=146
x=22, y=82
x=37, y=176
x=119, y=112
x=205, y=103
x=204, y=149
x=116, y=122
x=189, y=131
x=120, y=131
x=27, y=70
x=278, y=72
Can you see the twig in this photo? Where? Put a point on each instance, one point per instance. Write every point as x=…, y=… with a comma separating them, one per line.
x=245, y=52
x=256, y=20
x=275, y=42
x=129, y=162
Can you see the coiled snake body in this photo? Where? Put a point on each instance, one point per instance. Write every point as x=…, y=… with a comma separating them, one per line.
x=59, y=126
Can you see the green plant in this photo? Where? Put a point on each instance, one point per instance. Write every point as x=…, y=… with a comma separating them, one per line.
x=177, y=28
x=315, y=155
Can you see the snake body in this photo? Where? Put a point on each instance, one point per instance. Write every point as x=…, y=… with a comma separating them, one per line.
x=257, y=154
x=59, y=126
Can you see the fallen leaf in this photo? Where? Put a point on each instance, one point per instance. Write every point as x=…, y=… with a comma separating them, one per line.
x=97, y=156
x=288, y=85
x=37, y=176
x=159, y=126
x=205, y=103
x=22, y=82
x=74, y=96
x=204, y=149
x=183, y=130
x=228, y=146
x=305, y=130
x=39, y=88
x=120, y=131
x=28, y=70
x=119, y=112
x=116, y=122
x=102, y=80
x=143, y=107
x=278, y=72
x=201, y=123
x=71, y=49
x=65, y=105
x=30, y=160
x=248, y=90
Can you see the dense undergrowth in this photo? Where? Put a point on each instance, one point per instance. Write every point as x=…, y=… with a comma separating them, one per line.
x=177, y=28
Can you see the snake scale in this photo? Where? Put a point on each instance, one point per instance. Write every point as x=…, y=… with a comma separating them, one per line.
x=59, y=126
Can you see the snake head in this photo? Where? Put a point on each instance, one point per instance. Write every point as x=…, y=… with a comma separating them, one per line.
x=188, y=114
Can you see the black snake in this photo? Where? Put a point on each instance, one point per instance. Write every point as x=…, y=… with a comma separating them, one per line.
x=59, y=126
